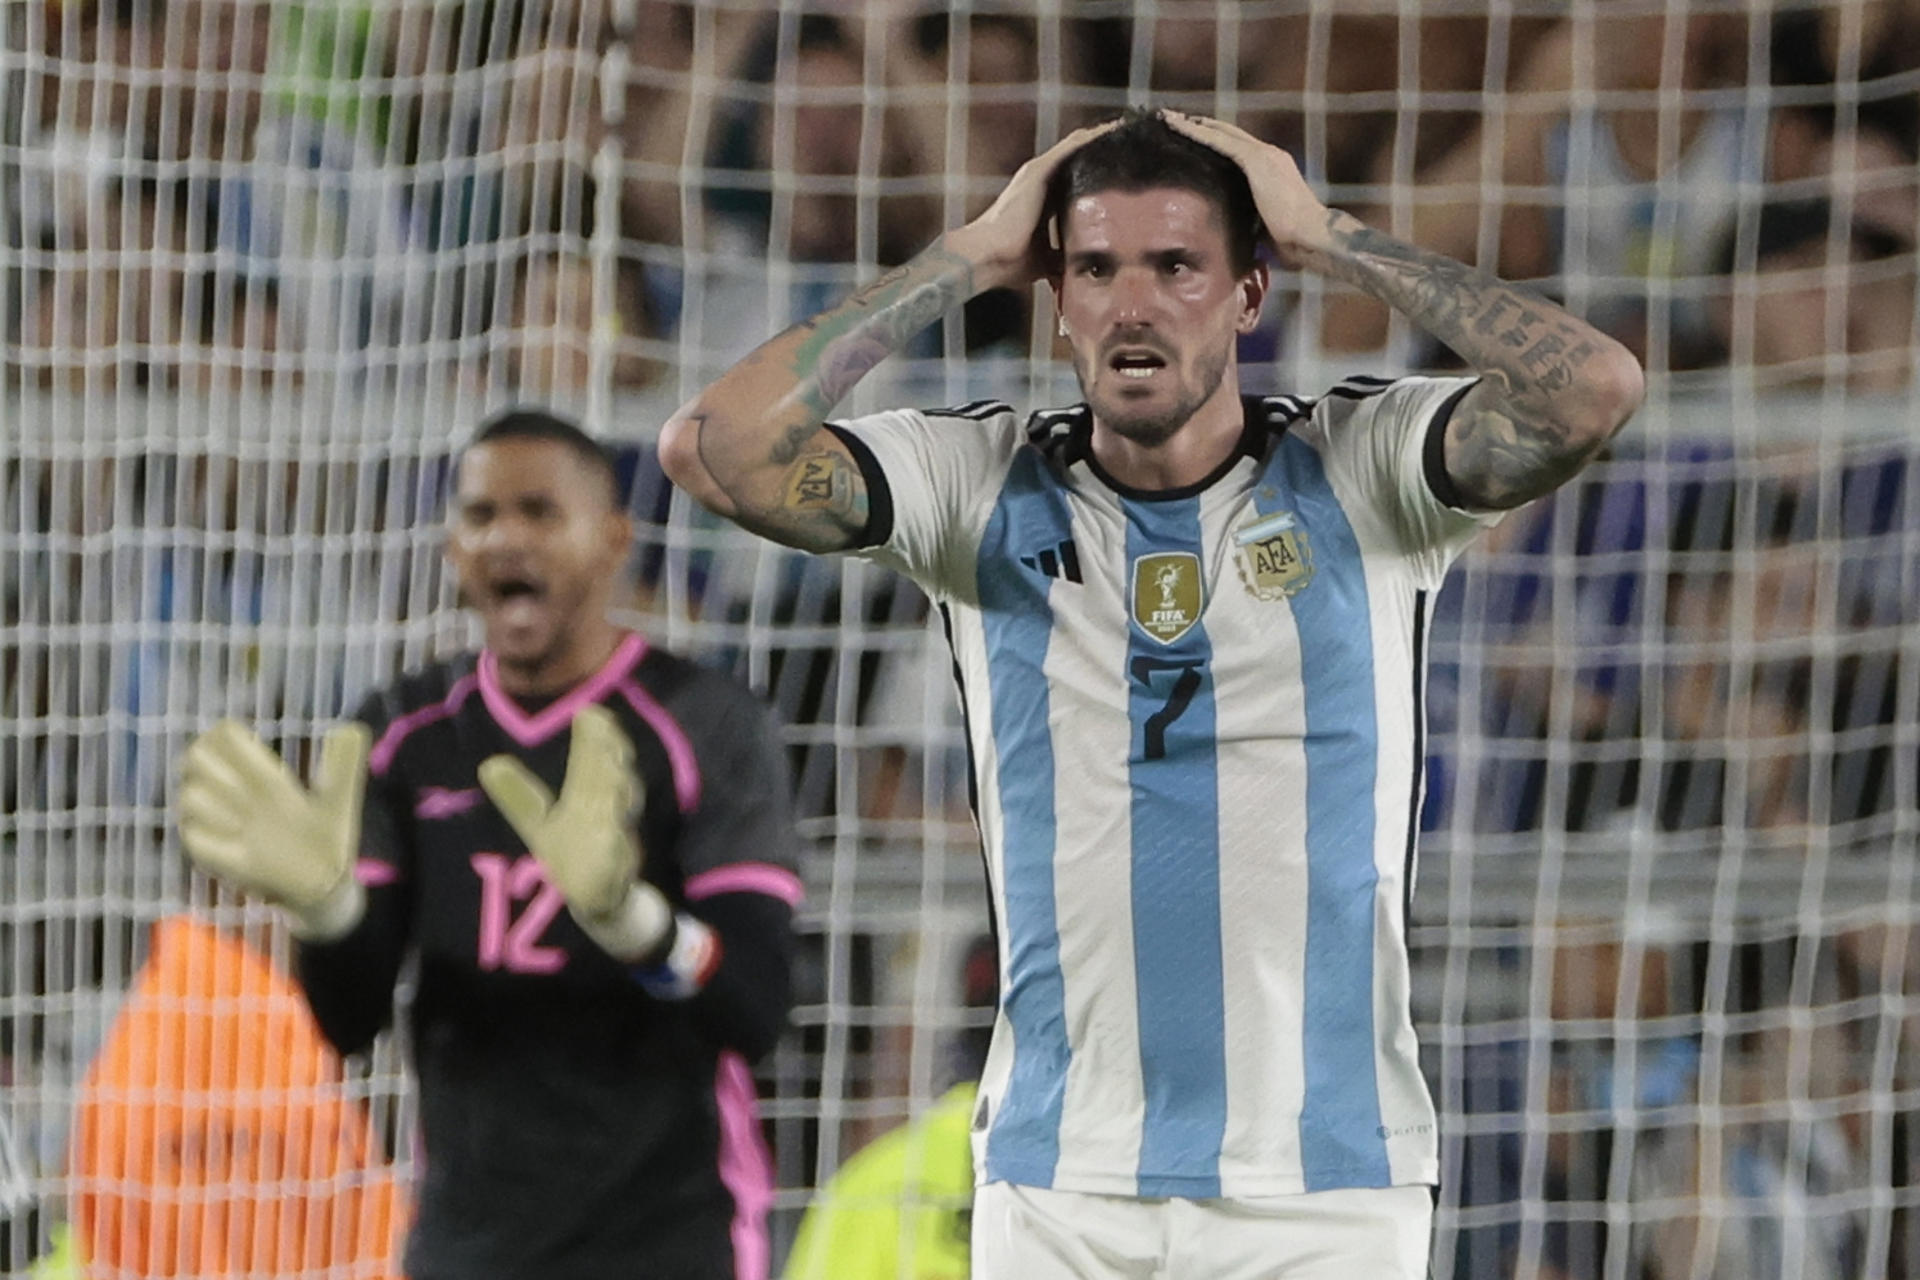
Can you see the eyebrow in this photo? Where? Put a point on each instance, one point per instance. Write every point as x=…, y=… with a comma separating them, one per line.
x=1159, y=257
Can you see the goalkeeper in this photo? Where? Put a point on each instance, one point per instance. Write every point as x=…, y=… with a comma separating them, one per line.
x=582, y=842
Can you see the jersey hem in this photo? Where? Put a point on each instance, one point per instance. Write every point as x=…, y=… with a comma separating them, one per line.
x=1424, y=1174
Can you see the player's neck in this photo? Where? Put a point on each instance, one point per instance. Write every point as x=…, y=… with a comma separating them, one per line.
x=1192, y=453
x=585, y=652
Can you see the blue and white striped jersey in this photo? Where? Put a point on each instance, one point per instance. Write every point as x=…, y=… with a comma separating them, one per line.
x=1195, y=719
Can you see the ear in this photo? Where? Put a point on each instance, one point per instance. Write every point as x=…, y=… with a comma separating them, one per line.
x=1253, y=293
x=618, y=532
x=451, y=557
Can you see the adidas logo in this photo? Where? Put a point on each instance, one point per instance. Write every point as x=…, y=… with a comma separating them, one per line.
x=1062, y=561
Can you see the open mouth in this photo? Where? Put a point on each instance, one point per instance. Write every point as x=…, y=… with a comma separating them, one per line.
x=510, y=589
x=516, y=599
x=1136, y=363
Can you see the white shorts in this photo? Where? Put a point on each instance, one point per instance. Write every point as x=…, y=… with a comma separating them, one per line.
x=1025, y=1233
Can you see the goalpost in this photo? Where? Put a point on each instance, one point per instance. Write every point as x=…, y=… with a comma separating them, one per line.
x=264, y=265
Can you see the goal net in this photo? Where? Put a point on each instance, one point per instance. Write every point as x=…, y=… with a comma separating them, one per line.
x=264, y=265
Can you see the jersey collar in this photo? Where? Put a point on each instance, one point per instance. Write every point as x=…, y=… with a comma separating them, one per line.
x=1074, y=427
x=531, y=729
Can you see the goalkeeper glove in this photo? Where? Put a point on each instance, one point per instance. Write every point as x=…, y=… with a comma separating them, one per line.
x=585, y=838
x=246, y=820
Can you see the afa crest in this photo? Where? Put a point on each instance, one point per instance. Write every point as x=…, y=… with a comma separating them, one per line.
x=1273, y=556
x=1167, y=594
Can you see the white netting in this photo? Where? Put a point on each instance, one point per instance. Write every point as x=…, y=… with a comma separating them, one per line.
x=264, y=265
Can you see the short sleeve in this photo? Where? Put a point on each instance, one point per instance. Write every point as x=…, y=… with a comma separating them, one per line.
x=1382, y=443
x=937, y=473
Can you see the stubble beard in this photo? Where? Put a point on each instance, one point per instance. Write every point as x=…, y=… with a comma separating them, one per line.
x=1152, y=429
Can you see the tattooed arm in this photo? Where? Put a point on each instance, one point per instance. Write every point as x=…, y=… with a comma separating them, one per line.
x=1553, y=388
x=752, y=446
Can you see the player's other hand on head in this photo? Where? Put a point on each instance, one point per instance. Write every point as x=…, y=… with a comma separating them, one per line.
x=585, y=837
x=1008, y=243
x=246, y=820
x=1295, y=217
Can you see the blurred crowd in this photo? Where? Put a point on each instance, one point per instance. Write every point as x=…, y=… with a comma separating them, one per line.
x=1686, y=774
x=538, y=194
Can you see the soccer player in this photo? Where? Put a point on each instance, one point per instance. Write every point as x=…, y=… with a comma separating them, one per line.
x=583, y=842
x=1189, y=629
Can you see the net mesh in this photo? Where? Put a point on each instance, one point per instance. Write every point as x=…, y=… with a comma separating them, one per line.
x=263, y=265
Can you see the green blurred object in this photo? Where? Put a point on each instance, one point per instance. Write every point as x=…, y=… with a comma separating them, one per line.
x=320, y=55
x=63, y=1261
x=907, y=1198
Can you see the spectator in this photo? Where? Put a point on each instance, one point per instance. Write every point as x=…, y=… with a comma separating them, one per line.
x=788, y=152
x=1585, y=195
x=1815, y=49
x=556, y=320
x=996, y=56
x=1811, y=313
x=681, y=56
x=995, y=121
x=814, y=119
x=1766, y=1177
x=239, y=338
x=1298, y=77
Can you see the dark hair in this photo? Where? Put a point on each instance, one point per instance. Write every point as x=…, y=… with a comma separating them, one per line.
x=1786, y=225
x=933, y=30
x=538, y=424
x=1144, y=152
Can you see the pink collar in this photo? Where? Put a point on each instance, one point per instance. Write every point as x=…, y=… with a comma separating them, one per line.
x=530, y=730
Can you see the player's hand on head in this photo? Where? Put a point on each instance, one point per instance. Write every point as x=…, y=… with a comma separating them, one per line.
x=585, y=837
x=1008, y=242
x=1295, y=217
x=246, y=820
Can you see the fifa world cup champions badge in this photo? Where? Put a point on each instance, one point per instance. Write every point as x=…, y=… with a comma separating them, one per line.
x=1273, y=556
x=1167, y=594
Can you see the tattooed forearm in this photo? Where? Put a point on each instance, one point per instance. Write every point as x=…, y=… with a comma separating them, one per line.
x=1534, y=348
x=751, y=444
x=844, y=344
x=1555, y=391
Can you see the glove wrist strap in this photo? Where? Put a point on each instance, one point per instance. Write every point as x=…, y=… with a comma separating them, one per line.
x=633, y=929
x=689, y=962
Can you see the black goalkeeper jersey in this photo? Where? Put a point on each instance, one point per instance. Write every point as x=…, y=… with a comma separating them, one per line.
x=572, y=1123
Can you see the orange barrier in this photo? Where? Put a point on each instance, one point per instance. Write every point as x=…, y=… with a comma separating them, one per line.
x=214, y=1136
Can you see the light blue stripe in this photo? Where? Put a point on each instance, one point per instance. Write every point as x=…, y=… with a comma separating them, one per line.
x=1340, y=1140
x=1176, y=884
x=1017, y=615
